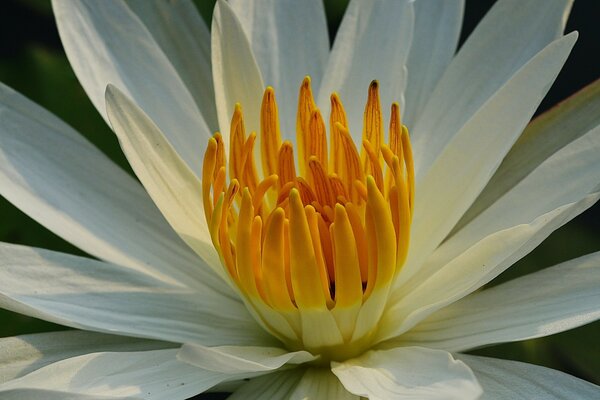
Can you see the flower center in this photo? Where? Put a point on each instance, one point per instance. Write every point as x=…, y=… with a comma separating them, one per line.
x=313, y=253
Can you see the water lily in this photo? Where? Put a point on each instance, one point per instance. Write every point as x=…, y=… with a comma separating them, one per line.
x=330, y=241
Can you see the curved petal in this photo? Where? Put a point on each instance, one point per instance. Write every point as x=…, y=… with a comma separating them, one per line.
x=230, y=359
x=408, y=372
x=183, y=36
x=172, y=185
x=276, y=386
x=564, y=177
x=289, y=40
x=146, y=374
x=62, y=181
x=320, y=383
x=544, y=138
x=107, y=43
x=503, y=379
x=372, y=42
x=434, y=41
x=21, y=355
x=236, y=74
x=462, y=170
x=94, y=295
x=505, y=40
x=472, y=269
x=540, y=304
x=42, y=394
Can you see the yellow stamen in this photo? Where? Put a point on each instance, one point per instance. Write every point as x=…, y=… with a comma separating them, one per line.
x=313, y=248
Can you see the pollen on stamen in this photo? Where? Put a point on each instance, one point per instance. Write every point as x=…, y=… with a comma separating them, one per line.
x=312, y=230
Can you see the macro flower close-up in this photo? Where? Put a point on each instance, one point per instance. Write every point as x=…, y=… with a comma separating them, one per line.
x=303, y=217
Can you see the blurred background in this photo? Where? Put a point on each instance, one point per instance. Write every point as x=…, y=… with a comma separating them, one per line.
x=33, y=62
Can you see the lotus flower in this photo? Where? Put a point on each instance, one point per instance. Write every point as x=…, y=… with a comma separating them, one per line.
x=319, y=246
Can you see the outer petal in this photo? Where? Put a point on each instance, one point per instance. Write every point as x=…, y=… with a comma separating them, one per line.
x=21, y=355
x=502, y=379
x=505, y=40
x=540, y=304
x=462, y=170
x=437, y=29
x=408, y=373
x=289, y=40
x=472, y=269
x=59, y=179
x=147, y=374
x=547, y=137
x=172, y=185
x=94, y=295
x=372, y=42
x=538, y=185
x=320, y=383
x=107, y=43
x=42, y=394
x=183, y=36
x=236, y=74
x=276, y=386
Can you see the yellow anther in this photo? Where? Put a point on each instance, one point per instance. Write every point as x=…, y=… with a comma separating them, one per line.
x=306, y=107
x=348, y=282
x=237, y=139
x=286, y=169
x=323, y=190
x=338, y=115
x=316, y=139
x=270, y=136
x=372, y=123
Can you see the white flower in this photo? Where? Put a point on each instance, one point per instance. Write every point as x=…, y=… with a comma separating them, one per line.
x=377, y=304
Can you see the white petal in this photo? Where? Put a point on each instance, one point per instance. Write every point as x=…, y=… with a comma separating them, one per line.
x=234, y=359
x=537, y=176
x=320, y=383
x=107, y=43
x=276, y=386
x=236, y=74
x=437, y=29
x=183, y=36
x=503, y=379
x=408, y=373
x=472, y=269
x=372, y=42
x=556, y=136
x=94, y=295
x=172, y=185
x=506, y=39
x=462, y=170
x=540, y=304
x=42, y=394
x=21, y=355
x=62, y=181
x=147, y=374
x=289, y=40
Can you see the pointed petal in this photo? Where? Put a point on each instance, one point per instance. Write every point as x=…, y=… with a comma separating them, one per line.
x=472, y=269
x=372, y=42
x=464, y=167
x=183, y=36
x=230, y=359
x=503, y=379
x=320, y=383
x=505, y=40
x=408, y=372
x=236, y=74
x=276, y=386
x=21, y=355
x=107, y=43
x=146, y=374
x=62, y=181
x=434, y=41
x=289, y=40
x=540, y=304
x=88, y=294
x=556, y=135
x=172, y=185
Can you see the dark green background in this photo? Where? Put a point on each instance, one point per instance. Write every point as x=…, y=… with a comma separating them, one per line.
x=33, y=62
